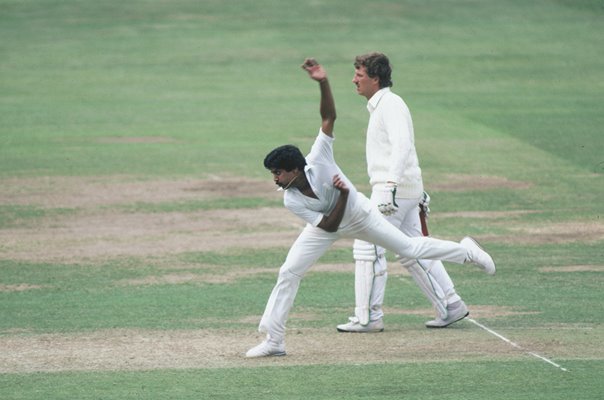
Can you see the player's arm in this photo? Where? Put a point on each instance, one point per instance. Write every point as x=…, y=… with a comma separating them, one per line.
x=398, y=129
x=327, y=107
x=331, y=222
x=399, y=135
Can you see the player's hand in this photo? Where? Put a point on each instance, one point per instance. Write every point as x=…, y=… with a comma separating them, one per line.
x=339, y=184
x=385, y=197
x=314, y=69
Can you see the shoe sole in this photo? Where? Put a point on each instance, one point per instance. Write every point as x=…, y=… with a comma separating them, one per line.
x=367, y=331
x=450, y=323
x=267, y=355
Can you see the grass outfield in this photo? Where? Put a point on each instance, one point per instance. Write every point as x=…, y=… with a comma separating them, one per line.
x=140, y=236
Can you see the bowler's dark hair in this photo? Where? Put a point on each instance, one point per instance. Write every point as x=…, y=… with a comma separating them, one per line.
x=376, y=65
x=287, y=157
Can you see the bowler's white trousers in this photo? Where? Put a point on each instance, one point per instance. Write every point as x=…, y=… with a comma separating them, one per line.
x=367, y=224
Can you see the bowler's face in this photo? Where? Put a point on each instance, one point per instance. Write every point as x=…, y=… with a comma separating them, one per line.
x=366, y=86
x=283, y=178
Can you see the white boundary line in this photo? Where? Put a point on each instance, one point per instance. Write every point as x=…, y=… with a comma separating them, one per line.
x=492, y=332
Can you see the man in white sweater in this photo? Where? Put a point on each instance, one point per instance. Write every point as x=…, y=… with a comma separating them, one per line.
x=398, y=192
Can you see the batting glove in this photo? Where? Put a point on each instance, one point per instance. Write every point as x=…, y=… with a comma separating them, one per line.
x=424, y=203
x=386, y=198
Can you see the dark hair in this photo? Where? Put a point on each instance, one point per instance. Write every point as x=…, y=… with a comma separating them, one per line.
x=376, y=64
x=287, y=157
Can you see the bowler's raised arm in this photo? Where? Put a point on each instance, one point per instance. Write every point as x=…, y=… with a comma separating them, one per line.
x=327, y=107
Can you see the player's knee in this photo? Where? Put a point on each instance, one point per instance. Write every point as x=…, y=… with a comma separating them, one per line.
x=286, y=274
x=417, y=265
x=380, y=266
x=406, y=262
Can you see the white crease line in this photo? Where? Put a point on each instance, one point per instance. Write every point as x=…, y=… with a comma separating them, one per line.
x=492, y=332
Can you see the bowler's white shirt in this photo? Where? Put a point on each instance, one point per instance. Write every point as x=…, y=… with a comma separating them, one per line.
x=320, y=169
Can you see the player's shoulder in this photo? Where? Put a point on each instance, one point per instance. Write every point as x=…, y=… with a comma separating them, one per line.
x=390, y=96
x=393, y=101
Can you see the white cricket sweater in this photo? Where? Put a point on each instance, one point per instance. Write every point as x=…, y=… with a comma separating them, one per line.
x=390, y=146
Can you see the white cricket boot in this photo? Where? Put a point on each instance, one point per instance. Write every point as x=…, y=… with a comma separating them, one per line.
x=478, y=256
x=455, y=312
x=354, y=326
x=267, y=348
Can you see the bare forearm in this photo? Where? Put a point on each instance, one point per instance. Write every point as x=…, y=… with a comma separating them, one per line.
x=331, y=222
x=327, y=106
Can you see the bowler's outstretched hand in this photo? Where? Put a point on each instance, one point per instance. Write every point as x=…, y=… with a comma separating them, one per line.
x=314, y=69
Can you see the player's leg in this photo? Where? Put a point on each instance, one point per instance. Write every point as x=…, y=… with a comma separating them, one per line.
x=428, y=285
x=440, y=274
x=456, y=308
x=377, y=230
x=415, y=225
x=371, y=274
x=305, y=251
x=370, y=286
x=407, y=221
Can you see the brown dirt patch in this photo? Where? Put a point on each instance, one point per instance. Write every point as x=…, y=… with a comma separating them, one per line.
x=225, y=276
x=19, y=288
x=476, y=311
x=112, y=234
x=127, y=349
x=79, y=192
x=573, y=268
x=484, y=214
x=462, y=183
x=550, y=233
x=99, y=231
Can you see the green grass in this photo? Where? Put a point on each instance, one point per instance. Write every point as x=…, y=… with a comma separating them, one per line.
x=503, y=380
x=509, y=89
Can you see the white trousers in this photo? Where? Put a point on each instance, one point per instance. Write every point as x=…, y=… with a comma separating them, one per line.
x=407, y=220
x=369, y=225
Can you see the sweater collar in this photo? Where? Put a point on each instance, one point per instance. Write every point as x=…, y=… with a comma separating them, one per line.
x=375, y=99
